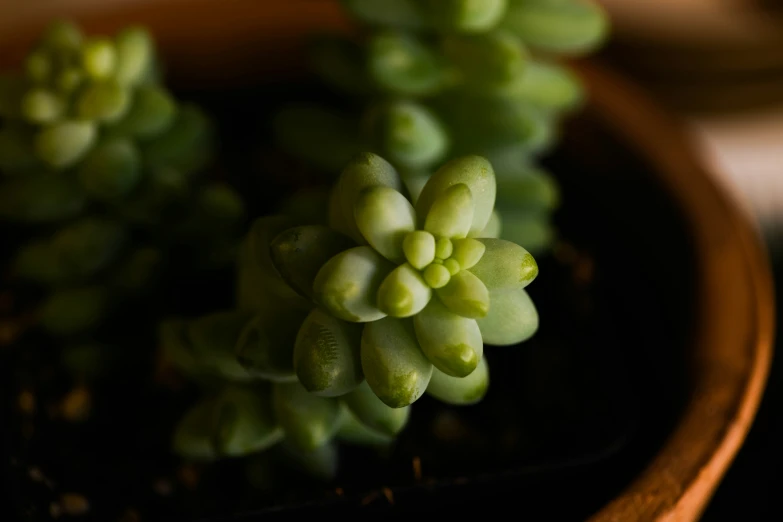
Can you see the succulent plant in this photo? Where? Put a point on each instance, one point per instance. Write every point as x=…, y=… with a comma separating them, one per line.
x=439, y=79
x=102, y=176
x=339, y=328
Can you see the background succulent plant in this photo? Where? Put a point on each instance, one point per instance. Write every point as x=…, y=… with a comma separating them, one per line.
x=428, y=81
x=339, y=328
x=102, y=177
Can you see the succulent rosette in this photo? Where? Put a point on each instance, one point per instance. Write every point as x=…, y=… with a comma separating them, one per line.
x=339, y=328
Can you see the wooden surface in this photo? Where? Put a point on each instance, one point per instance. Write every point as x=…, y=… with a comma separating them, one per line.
x=732, y=346
x=248, y=40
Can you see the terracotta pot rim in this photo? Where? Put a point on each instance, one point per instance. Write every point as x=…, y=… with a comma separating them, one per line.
x=733, y=339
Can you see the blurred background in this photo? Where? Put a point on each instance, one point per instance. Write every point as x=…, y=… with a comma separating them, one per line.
x=718, y=65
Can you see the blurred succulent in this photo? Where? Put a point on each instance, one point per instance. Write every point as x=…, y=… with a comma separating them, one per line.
x=438, y=79
x=340, y=327
x=101, y=173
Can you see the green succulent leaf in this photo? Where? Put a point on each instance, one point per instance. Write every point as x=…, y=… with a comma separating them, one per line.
x=488, y=62
x=327, y=355
x=407, y=133
x=354, y=431
x=401, y=63
x=403, y=293
x=373, y=413
x=512, y=318
x=320, y=463
x=298, y=253
x=364, y=171
x=467, y=252
x=394, y=366
x=237, y=422
x=111, y=170
x=135, y=54
x=571, y=27
x=460, y=391
x=505, y=265
x=309, y=421
x=74, y=310
x=475, y=172
x=451, y=342
x=347, y=285
x=62, y=144
x=385, y=217
x=265, y=347
x=151, y=113
x=464, y=15
x=419, y=248
x=466, y=295
x=533, y=230
x=214, y=338
x=451, y=214
x=549, y=86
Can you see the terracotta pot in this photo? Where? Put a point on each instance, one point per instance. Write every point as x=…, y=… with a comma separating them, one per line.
x=212, y=43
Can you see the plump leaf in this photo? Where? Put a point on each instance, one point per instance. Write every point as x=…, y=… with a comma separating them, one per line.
x=488, y=62
x=394, y=366
x=475, y=172
x=451, y=214
x=298, y=253
x=347, y=285
x=407, y=133
x=401, y=63
x=354, y=431
x=327, y=355
x=505, y=265
x=309, y=421
x=466, y=295
x=451, y=342
x=404, y=292
x=460, y=391
x=467, y=252
x=385, y=217
x=374, y=413
x=571, y=27
x=265, y=348
x=464, y=15
x=364, y=171
x=512, y=317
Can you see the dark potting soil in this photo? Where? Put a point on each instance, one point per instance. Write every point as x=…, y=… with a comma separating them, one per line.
x=571, y=416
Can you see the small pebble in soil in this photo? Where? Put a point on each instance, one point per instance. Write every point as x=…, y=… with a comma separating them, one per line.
x=389, y=495
x=417, y=468
x=339, y=492
x=27, y=402
x=74, y=504
x=77, y=404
